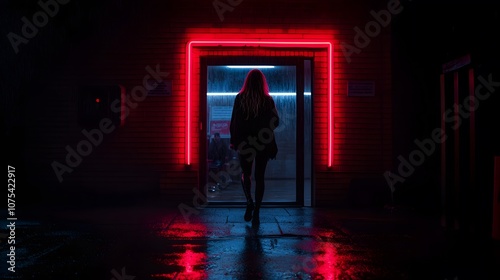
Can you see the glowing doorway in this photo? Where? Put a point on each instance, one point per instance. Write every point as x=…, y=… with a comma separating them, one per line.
x=288, y=178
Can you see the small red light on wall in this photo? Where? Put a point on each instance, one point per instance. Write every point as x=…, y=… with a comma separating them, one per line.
x=96, y=102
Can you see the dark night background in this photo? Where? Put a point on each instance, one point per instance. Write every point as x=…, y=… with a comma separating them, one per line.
x=425, y=35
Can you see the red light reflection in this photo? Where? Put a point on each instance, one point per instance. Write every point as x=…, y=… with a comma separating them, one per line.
x=190, y=263
x=190, y=259
x=326, y=262
x=187, y=261
x=319, y=262
x=184, y=230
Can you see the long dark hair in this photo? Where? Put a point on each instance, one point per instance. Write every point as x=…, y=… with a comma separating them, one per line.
x=254, y=93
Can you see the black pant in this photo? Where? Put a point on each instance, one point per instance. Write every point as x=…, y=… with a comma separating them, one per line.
x=246, y=163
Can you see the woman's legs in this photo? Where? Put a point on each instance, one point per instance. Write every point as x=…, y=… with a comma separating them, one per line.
x=246, y=182
x=260, y=172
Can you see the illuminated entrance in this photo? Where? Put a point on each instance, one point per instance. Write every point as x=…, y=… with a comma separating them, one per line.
x=288, y=178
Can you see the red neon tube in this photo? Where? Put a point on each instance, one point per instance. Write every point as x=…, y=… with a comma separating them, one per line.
x=233, y=43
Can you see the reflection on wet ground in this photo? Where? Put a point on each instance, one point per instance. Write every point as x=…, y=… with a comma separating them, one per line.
x=148, y=241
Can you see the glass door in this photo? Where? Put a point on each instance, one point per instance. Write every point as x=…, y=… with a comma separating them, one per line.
x=286, y=175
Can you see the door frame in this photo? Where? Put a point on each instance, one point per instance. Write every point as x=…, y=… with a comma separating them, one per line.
x=298, y=62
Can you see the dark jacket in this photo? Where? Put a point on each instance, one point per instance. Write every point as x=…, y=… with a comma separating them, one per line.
x=255, y=134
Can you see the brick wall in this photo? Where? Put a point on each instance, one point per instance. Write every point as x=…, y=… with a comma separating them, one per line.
x=149, y=149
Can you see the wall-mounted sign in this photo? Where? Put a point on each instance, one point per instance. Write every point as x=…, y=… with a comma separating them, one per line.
x=220, y=119
x=361, y=88
x=220, y=126
x=162, y=89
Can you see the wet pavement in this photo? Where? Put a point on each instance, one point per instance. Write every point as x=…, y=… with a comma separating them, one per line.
x=150, y=240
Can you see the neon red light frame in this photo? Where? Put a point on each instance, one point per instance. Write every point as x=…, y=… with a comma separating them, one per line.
x=236, y=43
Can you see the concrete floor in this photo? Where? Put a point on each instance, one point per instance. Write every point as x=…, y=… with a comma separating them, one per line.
x=144, y=239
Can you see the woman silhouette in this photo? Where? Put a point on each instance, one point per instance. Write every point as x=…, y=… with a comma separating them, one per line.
x=253, y=121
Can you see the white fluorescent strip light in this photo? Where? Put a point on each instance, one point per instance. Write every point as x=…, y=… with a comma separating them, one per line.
x=271, y=93
x=249, y=66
